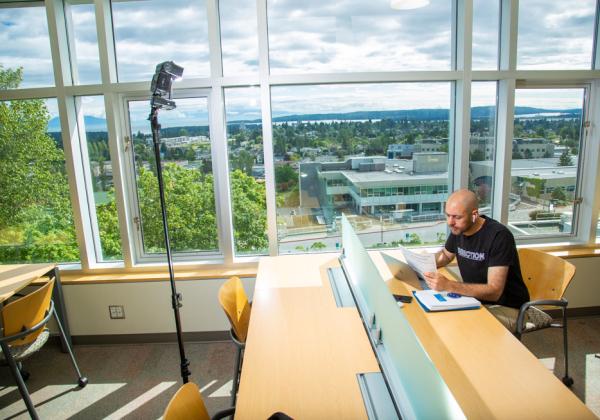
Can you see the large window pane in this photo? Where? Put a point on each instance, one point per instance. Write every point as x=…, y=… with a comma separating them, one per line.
x=187, y=173
x=25, y=44
x=376, y=152
x=358, y=36
x=545, y=158
x=246, y=170
x=94, y=135
x=239, y=36
x=482, y=144
x=84, y=53
x=486, y=29
x=36, y=220
x=153, y=31
x=555, y=34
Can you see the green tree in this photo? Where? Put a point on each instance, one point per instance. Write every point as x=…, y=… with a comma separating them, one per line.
x=249, y=213
x=565, y=158
x=286, y=177
x=190, y=209
x=34, y=202
x=108, y=225
x=558, y=194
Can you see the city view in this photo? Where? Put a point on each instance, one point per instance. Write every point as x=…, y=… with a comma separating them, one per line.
x=387, y=171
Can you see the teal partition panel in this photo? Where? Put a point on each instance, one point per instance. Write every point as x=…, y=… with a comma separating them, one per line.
x=416, y=386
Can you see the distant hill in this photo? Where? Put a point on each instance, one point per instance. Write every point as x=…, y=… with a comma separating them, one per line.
x=99, y=124
x=91, y=124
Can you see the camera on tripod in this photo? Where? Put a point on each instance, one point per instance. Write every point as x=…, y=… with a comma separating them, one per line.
x=161, y=85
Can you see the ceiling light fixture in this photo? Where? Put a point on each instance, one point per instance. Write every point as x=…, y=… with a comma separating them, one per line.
x=408, y=4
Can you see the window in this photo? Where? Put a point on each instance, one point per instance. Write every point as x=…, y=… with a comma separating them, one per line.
x=356, y=114
x=358, y=36
x=36, y=222
x=187, y=174
x=482, y=143
x=154, y=31
x=246, y=171
x=555, y=34
x=24, y=43
x=239, y=37
x=373, y=135
x=84, y=55
x=486, y=29
x=545, y=160
x=94, y=138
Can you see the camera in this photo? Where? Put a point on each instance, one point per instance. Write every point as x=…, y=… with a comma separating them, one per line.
x=162, y=82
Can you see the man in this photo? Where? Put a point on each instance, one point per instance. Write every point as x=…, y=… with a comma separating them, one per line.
x=487, y=259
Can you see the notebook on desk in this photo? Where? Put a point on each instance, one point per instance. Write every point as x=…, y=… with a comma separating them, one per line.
x=404, y=272
x=432, y=300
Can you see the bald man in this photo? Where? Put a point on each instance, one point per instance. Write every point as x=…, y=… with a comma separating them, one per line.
x=487, y=258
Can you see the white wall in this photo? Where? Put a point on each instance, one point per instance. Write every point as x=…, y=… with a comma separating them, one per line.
x=147, y=307
x=584, y=290
x=148, y=304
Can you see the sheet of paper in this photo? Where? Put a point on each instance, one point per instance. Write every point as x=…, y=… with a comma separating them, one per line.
x=421, y=263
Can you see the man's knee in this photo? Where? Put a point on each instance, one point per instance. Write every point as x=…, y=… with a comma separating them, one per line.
x=507, y=316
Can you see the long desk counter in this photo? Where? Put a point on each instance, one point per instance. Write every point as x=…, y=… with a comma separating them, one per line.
x=303, y=353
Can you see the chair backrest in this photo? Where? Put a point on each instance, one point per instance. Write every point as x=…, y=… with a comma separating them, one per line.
x=234, y=302
x=26, y=312
x=546, y=276
x=186, y=404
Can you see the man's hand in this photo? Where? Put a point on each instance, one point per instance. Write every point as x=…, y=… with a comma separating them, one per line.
x=437, y=281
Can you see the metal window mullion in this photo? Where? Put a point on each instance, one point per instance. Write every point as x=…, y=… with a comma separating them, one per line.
x=596, y=41
x=114, y=113
x=503, y=157
x=509, y=13
x=461, y=103
x=106, y=42
x=118, y=155
x=218, y=137
x=509, y=25
x=589, y=209
x=267, y=128
x=71, y=144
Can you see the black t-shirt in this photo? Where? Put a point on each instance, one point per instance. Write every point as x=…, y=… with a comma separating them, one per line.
x=492, y=246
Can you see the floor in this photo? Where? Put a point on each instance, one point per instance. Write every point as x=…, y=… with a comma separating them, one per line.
x=137, y=381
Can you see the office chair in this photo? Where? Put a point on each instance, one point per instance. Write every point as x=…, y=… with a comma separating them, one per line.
x=187, y=404
x=234, y=302
x=546, y=277
x=24, y=321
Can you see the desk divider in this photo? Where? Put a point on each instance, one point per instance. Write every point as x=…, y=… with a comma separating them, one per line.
x=418, y=390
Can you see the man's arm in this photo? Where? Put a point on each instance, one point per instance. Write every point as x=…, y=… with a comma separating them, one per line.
x=490, y=291
x=443, y=258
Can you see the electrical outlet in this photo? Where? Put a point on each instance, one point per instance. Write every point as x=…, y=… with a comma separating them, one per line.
x=116, y=311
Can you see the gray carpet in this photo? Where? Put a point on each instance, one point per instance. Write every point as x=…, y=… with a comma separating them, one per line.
x=137, y=381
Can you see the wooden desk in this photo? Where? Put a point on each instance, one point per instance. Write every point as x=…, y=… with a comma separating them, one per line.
x=303, y=353
x=14, y=277
x=489, y=371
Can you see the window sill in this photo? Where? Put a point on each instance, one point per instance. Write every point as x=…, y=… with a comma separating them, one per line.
x=136, y=276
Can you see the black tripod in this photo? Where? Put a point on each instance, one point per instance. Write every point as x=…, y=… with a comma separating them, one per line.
x=175, y=297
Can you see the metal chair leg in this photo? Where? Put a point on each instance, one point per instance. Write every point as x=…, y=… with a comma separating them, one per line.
x=236, y=376
x=82, y=380
x=20, y=383
x=567, y=380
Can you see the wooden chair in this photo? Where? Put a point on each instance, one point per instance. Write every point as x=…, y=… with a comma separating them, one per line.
x=546, y=277
x=24, y=321
x=187, y=404
x=234, y=301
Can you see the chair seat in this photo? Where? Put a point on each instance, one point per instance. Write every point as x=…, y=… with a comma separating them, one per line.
x=23, y=352
x=536, y=319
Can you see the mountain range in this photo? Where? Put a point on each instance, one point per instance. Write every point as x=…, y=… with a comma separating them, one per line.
x=99, y=124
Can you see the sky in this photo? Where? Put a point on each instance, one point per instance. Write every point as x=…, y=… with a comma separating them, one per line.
x=306, y=36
